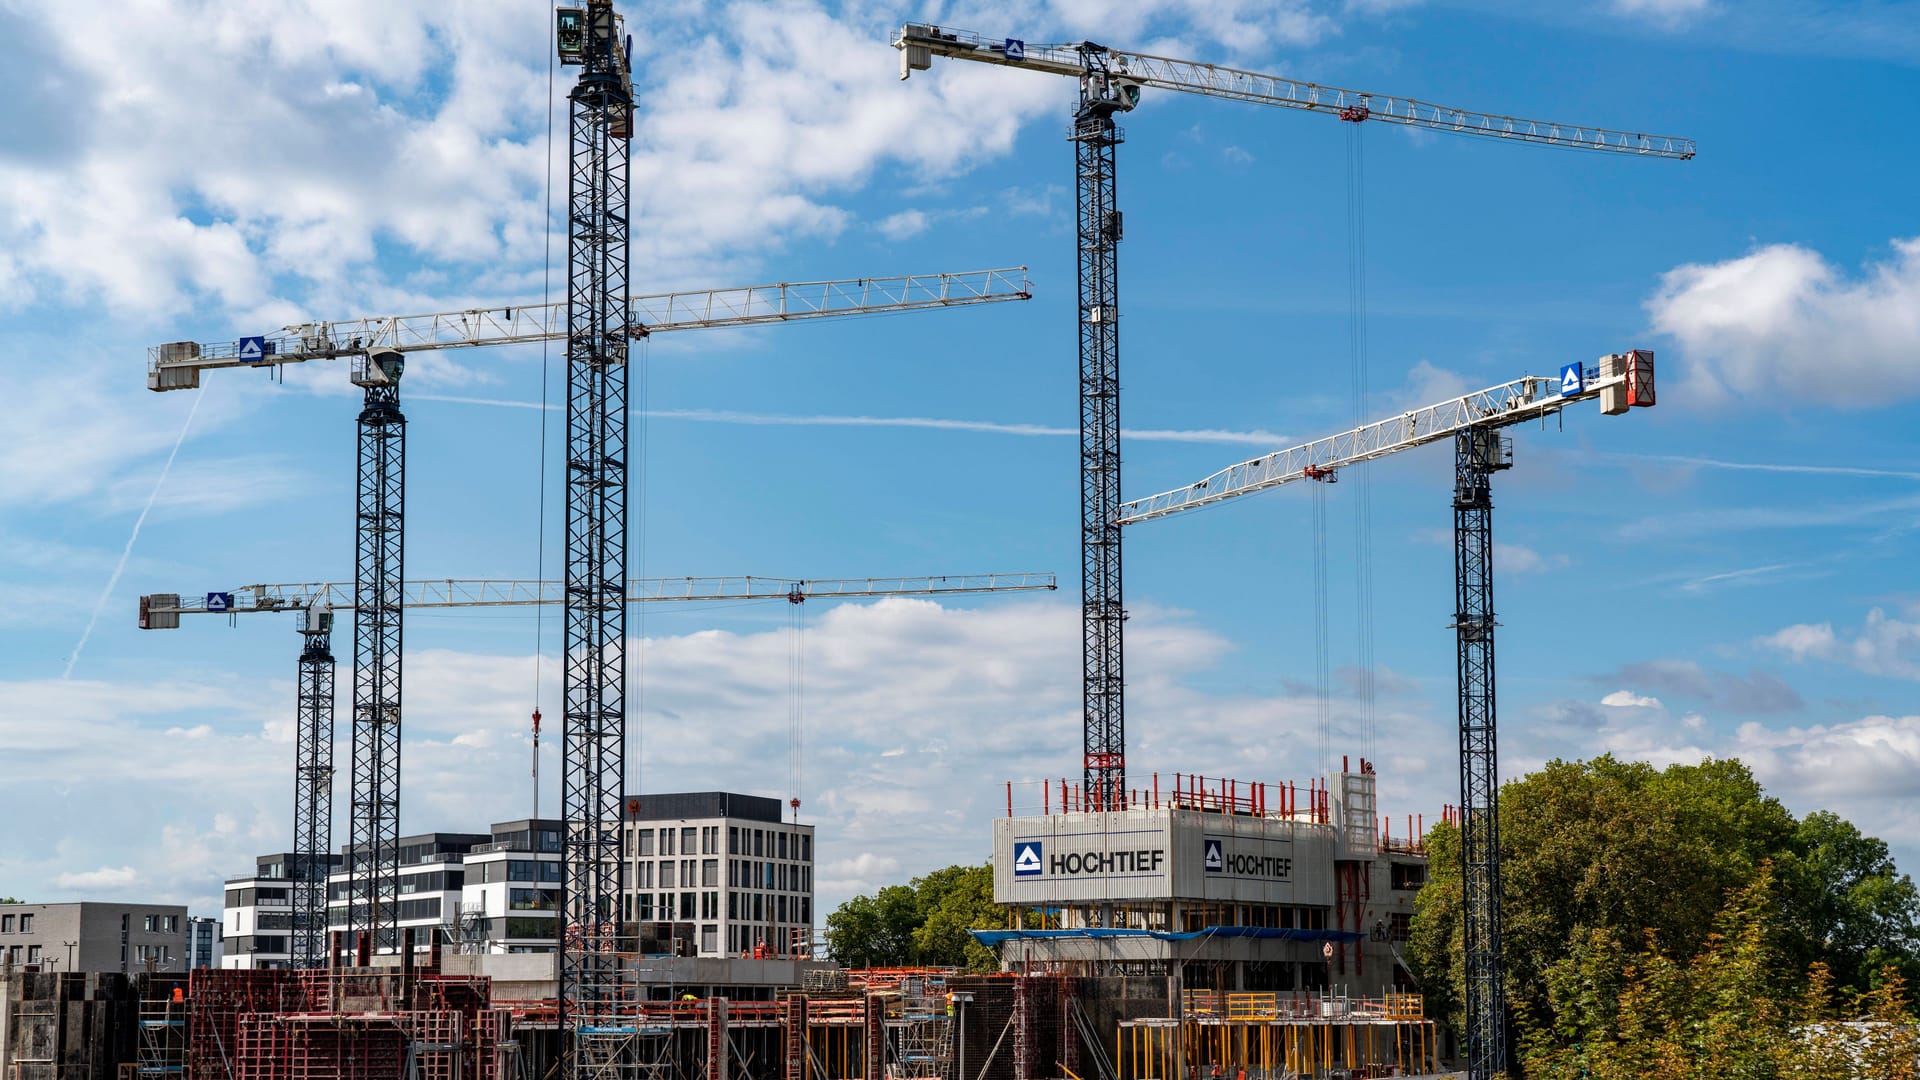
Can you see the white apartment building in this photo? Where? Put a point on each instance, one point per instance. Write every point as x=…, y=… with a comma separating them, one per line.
x=724, y=863
x=713, y=873
x=510, y=897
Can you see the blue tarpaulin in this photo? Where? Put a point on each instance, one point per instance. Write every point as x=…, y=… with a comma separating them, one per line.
x=1271, y=933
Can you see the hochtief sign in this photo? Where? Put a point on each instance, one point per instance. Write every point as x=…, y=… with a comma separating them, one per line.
x=1159, y=854
x=1142, y=861
x=1242, y=864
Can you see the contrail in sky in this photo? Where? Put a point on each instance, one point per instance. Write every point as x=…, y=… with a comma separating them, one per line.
x=119, y=567
x=725, y=416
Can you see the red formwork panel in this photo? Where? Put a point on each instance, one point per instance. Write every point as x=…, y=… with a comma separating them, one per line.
x=216, y=1000
x=310, y=1046
x=491, y=1029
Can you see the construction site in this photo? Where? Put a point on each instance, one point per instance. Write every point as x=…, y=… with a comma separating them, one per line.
x=1159, y=927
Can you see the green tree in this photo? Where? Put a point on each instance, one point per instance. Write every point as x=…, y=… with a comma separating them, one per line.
x=1596, y=853
x=1848, y=907
x=952, y=902
x=875, y=931
x=1721, y=1013
x=924, y=922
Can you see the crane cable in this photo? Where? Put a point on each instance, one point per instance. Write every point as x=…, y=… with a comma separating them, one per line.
x=796, y=695
x=540, y=527
x=1364, y=683
x=1323, y=695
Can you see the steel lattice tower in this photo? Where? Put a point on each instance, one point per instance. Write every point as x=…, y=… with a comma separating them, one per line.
x=1477, y=454
x=377, y=599
x=1104, y=737
x=593, y=768
x=313, y=792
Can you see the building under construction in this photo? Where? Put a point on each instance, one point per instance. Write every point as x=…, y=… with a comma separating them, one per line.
x=1210, y=924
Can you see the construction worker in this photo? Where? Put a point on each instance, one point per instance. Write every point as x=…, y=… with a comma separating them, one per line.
x=1241, y=1073
x=1214, y=1074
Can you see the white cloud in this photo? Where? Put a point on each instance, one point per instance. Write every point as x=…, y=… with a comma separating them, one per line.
x=903, y=225
x=1627, y=699
x=1668, y=13
x=1865, y=769
x=105, y=879
x=184, y=780
x=1520, y=559
x=1783, y=325
x=1884, y=645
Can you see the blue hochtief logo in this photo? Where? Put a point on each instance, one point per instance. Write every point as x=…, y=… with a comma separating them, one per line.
x=1026, y=859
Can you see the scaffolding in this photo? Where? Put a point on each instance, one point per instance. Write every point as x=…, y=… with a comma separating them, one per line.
x=922, y=1034
x=162, y=1028
x=1280, y=1036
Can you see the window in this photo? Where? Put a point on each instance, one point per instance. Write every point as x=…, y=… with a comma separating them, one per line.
x=733, y=838
x=666, y=873
x=709, y=939
x=643, y=876
x=687, y=905
x=806, y=847
x=6, y=924
x=666, y=841
x=782, y=876
x=550, y=871
x=759, y=842
x=646, y=843
x=152, y=924
x=172, y=924
x=783, y=845
x=687, y=841
x=1399, y=926
x=33, y=954
x=733, y=906
x=529, y=900
x=26, y=924
x=522, y=870
x=710, y=872
x=1408, y=875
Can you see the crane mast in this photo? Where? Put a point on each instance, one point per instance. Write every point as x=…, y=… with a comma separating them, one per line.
x=1620, y=381
x=1103, y=616
x=373, y=861
x=312, y=790
x=594, y=667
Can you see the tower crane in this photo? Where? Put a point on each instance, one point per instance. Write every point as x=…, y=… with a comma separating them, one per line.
x=376, y=348
x=1111, y=82
x=1473, y=421
x=316, y=603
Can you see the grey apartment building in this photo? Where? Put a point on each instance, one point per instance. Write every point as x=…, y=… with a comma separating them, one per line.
x=90, y=936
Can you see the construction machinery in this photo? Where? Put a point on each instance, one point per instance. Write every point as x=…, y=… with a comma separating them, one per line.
x=1620, y=381
x=1111, y=82
x=316, y=603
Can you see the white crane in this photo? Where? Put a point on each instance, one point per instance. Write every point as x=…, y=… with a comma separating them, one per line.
x=1621, y=381
x=177, y=366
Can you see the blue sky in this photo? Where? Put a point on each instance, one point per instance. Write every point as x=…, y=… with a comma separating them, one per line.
x=1726, y=574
